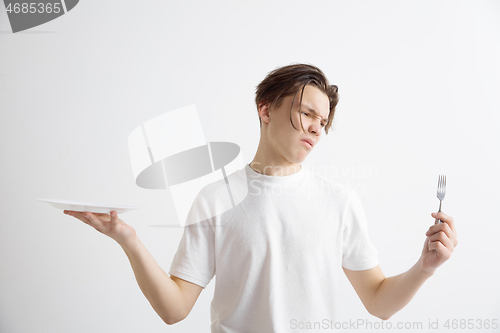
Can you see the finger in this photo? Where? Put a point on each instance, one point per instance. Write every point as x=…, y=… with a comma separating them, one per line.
x=440, y=249
x=78, y=215
x=452, y=235
x=94, y=220
x=443, y=239
x=433, y=245
x=114, y=217
x=67, y=212
x=440, y=227
x=445, y=218
x=74, y=211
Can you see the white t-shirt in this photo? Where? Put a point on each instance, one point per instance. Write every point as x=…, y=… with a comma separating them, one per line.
x=278, y=253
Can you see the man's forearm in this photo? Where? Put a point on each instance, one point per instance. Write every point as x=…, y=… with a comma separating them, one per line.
x=395, y=292
x=162, y=292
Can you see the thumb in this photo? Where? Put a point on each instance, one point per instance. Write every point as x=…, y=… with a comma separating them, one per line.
x=114, y=217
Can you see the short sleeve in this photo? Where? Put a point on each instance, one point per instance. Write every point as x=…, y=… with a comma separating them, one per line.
x=358, y=251
x=195, y=257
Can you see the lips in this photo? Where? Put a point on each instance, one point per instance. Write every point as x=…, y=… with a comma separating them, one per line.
x=309, y=141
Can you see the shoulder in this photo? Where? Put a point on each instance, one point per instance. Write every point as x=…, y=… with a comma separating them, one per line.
x=219, y=188
x=334, y=190
x=219, y=196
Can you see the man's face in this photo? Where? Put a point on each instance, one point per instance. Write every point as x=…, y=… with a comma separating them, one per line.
x=288, y=141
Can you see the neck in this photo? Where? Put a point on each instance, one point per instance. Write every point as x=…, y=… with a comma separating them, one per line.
x=273, y=164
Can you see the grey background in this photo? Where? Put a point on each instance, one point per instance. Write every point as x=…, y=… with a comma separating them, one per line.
x=418, y=84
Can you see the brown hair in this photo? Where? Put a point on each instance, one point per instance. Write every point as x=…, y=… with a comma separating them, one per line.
x=288, y=80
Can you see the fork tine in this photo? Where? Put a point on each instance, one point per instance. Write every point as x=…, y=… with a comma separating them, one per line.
x=441, y=190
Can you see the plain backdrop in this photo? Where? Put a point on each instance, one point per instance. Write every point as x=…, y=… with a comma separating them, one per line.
x=418, y=84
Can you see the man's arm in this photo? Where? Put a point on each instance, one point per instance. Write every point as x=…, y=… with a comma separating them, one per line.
x=382, y=296
x=171, y=297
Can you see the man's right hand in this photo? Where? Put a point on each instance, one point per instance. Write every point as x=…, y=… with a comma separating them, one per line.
x=108, y=224
x=171, y=297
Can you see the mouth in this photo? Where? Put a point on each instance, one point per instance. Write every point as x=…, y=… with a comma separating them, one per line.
x=307, y=143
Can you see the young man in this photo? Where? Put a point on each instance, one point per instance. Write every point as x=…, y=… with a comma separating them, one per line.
x=277, y=254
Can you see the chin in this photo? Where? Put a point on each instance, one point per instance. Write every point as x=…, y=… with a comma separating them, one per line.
x=298, y=159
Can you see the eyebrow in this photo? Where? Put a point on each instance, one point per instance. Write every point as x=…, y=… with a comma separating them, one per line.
x=310, y=109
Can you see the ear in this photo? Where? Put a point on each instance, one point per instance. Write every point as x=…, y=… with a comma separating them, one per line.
x=264, y=112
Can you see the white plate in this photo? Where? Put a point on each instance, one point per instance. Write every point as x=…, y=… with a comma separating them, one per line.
x=80, y=206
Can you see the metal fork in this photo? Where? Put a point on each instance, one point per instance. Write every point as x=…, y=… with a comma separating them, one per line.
x=441, y=192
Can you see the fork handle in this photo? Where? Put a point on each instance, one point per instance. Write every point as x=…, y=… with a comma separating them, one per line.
x=438, y=220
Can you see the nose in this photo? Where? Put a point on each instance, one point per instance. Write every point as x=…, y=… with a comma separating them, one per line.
x=315, y=127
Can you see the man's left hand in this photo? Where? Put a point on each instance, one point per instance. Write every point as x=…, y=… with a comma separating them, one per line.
x=440, y=242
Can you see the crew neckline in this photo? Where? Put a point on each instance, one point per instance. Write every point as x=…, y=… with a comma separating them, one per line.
x=275, y=179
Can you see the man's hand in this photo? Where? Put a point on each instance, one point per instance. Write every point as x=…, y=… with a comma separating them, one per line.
x=383, y=296
x=440, y=242
x=108, y=224
x=171, y=297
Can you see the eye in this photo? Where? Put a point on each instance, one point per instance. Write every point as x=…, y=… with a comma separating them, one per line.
x=307, y=114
